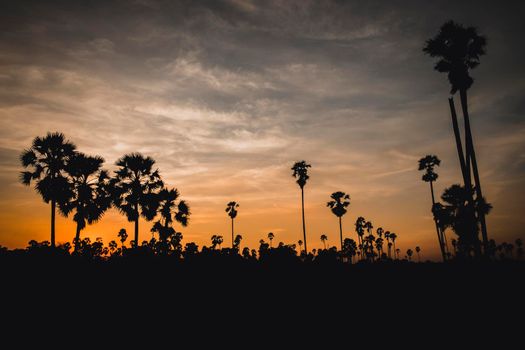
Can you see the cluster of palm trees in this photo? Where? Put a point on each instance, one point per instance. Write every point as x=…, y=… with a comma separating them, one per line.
x=458, y=50
x=75, y=183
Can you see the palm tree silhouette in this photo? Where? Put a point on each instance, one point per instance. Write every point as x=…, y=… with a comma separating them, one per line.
x=135, y=189
x=300, y=243
x=349, y=249
x=324, y=238
x=231, y=209
x=409, y=254
x=91, y=191
x=340, y=201
x=360, y=230
x=170, y=211
x=271, y=237
x=428, y=163
x=418, y=250
x=237, y=242
x=216, y=240
x=123, y=235
x=393, y=237
x=47, y=158
x=389, y=244
x=459, y=50
x=457, y=214
x=300, y=172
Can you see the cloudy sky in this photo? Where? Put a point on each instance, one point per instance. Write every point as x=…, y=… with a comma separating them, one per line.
x=227, y=95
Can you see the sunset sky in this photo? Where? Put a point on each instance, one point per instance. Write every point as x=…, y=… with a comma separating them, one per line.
x=227, y=95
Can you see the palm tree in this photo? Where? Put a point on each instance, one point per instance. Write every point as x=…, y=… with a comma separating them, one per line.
x=409, y=254
x=457, y=214
x=271, y=237
x=91, y=192
x=360, y=230
x=340, y=201
x=393, y=237
x=170, y=211
x=237, y=242
x=47, y=158
x=123, y=236
x=459, y=50
x=300, y=243
x=349, y=249
x=389, y=244
x=300, y=172
x=136, y=186
x=428, y=163
x=397, y=253
x=216, y=240
x=418, y=250
x=231, y=209
x=324, y=238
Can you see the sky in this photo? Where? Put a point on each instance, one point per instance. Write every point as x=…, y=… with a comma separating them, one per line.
x=227, y=95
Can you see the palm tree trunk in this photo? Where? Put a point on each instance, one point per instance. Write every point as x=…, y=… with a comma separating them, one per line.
x=137, y=230
x=438, y=230
x=340, y=233
x=77, y=237
x=472, y=154
x=53, y=206
x=232, y=233
x=304, y=225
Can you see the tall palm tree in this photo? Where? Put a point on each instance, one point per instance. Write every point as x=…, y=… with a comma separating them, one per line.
x=91, y=191
x=47, y=158
x=427, y=164
x=360, y=230
x=340, y=201
x=170, y=211
x=418, y=251
x=324, y=238
x=389, y=244
x=271, y=236
x=300, y=172
x=459, y=50
x=393, y=237
x=135, y=189
x=231, y=209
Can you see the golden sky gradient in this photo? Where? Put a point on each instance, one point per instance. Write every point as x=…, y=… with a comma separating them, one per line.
x=226, y=98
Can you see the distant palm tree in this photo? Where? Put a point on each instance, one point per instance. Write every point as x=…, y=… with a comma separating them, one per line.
x=397, y=253
x=271, y=237
x=340, y=201
x=389, y=244
x=418, y=250
x=300, y=243
x=231, y=209
x=409, y=254
x=349, y=249
x=91, y=191
x=459, y=50
x=122, y=235
x=323, y=239
x=216, y=240
x=47, y=158
x=360, y=230
x=393, y=237
x=136, y=186
x=519, y=251
x=300, y=172
x=170, y=211
x=428, y=163
x=237, y=242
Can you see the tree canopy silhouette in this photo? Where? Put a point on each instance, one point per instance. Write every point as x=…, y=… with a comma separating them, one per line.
x=47, y=158
x=135, y=189
x=91, y=191
x=231, y=209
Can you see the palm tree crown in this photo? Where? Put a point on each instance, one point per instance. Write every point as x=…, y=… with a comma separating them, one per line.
x=300, y=172
x=459, y=50
x=340, y=201
x=231, y=209
x=428, y=163
x=170, y=211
